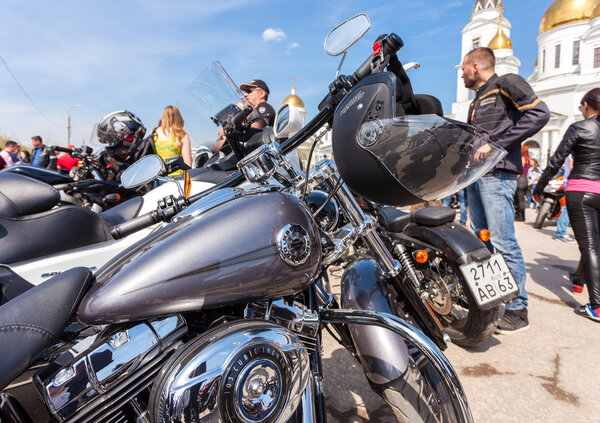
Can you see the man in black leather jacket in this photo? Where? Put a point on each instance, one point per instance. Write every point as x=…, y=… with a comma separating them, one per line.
x=505, y=111
x=582, y=140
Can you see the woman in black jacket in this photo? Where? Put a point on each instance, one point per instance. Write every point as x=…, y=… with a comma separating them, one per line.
x=582, y=140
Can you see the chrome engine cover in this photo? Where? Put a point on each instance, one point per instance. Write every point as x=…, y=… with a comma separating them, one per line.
x=244, y=372
x=93, y=365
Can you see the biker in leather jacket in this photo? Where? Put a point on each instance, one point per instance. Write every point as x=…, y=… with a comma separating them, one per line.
x=582, y=140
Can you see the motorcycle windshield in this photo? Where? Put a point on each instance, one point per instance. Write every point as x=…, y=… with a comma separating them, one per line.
x=208, y=100
x=428, y=155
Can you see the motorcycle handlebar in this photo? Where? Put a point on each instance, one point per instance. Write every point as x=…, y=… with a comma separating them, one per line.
x=134, y=225
x=62, y=149
x=239, y=119
x=389, y=46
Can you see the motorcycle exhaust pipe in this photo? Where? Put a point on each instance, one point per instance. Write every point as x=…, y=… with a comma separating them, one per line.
x=415, y=337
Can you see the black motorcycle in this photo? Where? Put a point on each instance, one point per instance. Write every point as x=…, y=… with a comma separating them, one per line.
x=218, y=315
x=551, y=202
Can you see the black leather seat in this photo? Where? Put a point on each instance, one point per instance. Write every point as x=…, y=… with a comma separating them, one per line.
x=214, y=176
x=434, y=216
x=31, y=228
x=33, y=321
x=392, y=219
x=127, y=210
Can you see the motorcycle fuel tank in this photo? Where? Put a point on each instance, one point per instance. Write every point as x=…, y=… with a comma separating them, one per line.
x=251, y=248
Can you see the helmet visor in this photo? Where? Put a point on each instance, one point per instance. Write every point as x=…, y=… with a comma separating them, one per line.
x=428, y=155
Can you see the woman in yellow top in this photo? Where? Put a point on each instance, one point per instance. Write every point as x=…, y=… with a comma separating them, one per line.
x=170, y=139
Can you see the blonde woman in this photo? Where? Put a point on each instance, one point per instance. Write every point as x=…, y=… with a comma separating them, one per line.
x=170, y=139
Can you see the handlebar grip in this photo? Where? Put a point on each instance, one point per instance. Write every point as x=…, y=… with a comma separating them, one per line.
x=242, y=116
x=134, y=225
x=62, y=149
x=390, y=45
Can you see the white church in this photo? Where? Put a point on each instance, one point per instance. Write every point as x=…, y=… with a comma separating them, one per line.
x=567, y=65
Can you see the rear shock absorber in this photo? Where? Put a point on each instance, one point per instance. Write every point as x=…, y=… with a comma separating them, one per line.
x=407, y=264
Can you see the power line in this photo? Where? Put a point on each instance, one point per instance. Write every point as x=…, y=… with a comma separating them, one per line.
x=25, y=93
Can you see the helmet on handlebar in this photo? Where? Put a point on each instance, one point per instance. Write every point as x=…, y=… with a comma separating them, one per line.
x=390, y=157
x=121, y=131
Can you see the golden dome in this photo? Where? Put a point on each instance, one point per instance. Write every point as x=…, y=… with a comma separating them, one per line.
x=562, y=12
x=293, y=99
x=596, y=11
x=500, y=40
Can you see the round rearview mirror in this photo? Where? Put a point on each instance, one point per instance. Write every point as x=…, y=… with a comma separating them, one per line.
x=143, y=171
x=346, y=34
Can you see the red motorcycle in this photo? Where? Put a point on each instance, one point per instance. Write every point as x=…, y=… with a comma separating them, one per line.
x=551, y=202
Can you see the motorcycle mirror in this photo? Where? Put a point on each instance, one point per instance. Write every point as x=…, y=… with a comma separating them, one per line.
x=288, y=120
x=346, y=34
x=143, y=171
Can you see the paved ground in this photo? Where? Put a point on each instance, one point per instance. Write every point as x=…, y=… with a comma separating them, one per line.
x=550, y=373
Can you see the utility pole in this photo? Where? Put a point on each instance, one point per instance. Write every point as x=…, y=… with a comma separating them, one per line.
x=69, y=123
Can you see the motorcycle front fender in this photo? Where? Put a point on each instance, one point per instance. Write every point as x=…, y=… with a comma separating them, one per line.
x=455, y=241
x=383, y=353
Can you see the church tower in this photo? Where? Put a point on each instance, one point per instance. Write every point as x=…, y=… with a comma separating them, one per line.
x=487, y=27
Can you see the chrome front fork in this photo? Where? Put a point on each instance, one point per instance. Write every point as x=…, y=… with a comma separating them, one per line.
x=363, y=224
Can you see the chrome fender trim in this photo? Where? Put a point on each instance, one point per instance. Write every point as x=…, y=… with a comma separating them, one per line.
x=416, y=338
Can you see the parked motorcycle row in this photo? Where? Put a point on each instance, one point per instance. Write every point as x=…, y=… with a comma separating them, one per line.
x=205, y=300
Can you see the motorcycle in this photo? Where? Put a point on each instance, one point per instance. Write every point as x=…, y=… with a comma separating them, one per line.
x=218, y=316
x=551, y=202
x=86, y=184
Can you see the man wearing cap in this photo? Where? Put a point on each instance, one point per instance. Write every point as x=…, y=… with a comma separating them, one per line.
x=257, y=94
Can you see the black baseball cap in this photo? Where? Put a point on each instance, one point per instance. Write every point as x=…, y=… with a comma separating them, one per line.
x=255, y=83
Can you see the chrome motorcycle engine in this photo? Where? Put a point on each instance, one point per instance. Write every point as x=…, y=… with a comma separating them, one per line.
x=244, y=372
x=92, y=378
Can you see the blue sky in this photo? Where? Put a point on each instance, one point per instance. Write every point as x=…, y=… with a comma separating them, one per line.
x=141, y=55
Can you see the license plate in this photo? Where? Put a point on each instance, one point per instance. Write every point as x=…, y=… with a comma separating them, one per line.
x=490, y=280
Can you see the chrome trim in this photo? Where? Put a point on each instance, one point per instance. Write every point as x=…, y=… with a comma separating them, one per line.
x=443, y=367
x=261, y=164
x=293, y=244
x=223, y=355
x=308, y=402
x=209, y=202
x=93, y=365
x=295, y=316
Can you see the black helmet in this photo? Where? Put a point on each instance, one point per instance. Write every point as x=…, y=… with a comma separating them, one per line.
x=121, y=131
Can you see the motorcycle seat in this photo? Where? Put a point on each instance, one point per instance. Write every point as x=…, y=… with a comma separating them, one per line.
x=21, y=195
x=127, y=210
x=41, y=234
x=434, y=215
x=392, y=219
x=33, y=321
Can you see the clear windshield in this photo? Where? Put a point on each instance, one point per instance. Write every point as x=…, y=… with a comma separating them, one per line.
x=429, y=155
x=210, y=98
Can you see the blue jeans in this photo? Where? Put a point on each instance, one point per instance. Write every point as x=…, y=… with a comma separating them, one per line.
x=491, y=207
x=461, y=201
x=562, y=223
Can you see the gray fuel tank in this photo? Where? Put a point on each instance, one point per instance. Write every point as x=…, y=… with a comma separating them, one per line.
x=252, y=248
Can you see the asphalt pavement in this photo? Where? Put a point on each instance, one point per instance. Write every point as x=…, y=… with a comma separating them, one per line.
x=549, y=373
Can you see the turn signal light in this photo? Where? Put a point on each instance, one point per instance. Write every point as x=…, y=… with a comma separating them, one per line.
x=421, y=256
x=484, y=235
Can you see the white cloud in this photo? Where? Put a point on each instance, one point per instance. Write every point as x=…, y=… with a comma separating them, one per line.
x=290, y=47
x=273, y=34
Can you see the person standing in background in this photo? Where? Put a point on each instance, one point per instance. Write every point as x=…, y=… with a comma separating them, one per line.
x=170, y=139
x=582, y=140
x=563, y=220
x=9, y=154
x=505, y=111
x=42, y=156
x=522, y=184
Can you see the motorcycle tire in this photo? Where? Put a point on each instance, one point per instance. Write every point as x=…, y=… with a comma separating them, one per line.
x=542, y=214
x=466, y=324
x=420, y=395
